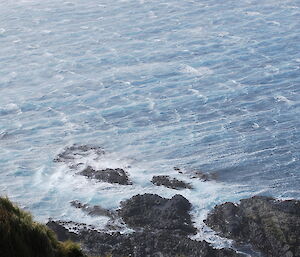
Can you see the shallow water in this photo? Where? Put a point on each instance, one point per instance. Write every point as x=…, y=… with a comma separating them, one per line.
x=201, y=85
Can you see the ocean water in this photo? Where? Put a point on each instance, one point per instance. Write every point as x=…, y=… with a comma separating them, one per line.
x=204, y=85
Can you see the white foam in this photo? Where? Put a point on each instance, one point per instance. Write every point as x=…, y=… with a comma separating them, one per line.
x=252, y=13
x=199, y=72
x=151, y=103
x=11, y=108
x=255, y=125
x=195, y=31
x=281, y=98
x=198, y=94
x=275, y=23
x=46, y=31
x=152, y=15
x=223, y=34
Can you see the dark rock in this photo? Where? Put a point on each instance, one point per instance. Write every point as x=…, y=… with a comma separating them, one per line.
x=153, y=212
x=162, y=228
x=146, y=243
x=95, y=210
x=170, y=182
x=178, y=170
x=70, y=153
x=114, y=176
x=270, y=225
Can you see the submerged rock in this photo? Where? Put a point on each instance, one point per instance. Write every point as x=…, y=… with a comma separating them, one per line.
x=201, y=175
x=113, y=176
x=71, y=152
x=153, y=212
x=170, y=182
x=270, y=225
x=95, y=210
x=73, y=155
x=197, y=174
x=204, y=176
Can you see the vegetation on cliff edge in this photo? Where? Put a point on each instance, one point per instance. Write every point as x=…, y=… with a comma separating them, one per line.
x=20, y=236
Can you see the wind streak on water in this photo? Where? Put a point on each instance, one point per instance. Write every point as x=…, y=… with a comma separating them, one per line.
x=205, y=85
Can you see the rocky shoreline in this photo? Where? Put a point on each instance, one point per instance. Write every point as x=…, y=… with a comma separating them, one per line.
x=163, y=227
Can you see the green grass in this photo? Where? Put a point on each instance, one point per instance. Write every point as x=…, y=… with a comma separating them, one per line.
x=20, y=236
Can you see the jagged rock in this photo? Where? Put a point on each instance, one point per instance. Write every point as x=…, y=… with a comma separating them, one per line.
x=170, y=182
x=270, y=225
x=113, y=176
x=95, y=210
x=162, y=229
x=153, y=212
x=161, y=243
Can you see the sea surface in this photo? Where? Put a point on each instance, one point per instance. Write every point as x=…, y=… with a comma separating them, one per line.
x=202, y=85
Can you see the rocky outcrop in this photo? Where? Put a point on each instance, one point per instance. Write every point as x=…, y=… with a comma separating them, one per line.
x=152, y=244
x=162, y=228
x=113, y=176
x=153, y=212
x=170, y=182
x=270, y=225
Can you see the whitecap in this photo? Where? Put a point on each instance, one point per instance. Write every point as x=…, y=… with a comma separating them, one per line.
x=198, y=94
x=255, y=125
x=11, y=107
x=281, y=98
x=252, y=13
x=46, y=31
x=275, y=23
x=223, y=34
x=200, y=71
x=151, y=103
